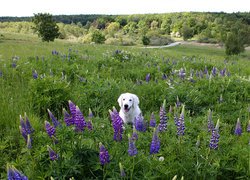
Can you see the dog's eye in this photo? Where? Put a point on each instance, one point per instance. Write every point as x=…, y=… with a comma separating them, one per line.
x=130, y=99
x=123, y=99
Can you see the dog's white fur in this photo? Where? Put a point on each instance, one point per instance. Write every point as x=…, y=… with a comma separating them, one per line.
x=129, y=104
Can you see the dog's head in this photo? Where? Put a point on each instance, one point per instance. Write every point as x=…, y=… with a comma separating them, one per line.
x=127, y=101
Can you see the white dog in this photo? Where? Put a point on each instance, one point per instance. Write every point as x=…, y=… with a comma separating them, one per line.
x=129, y=104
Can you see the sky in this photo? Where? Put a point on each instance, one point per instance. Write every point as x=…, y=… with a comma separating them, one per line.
x=73, y=7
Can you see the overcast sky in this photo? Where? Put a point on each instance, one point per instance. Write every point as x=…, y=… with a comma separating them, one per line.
x=58, y=7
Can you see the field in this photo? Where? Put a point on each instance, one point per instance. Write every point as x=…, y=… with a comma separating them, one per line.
x=205, y=94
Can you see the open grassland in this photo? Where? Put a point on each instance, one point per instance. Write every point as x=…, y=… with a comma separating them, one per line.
x=37, y=76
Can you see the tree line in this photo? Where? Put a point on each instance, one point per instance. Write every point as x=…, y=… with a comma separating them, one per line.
x=229, y=29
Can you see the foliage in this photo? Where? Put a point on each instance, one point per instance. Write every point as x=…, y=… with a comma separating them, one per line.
x=145, y=40
x=98, y=37
x=93, y=76
x=45, y=26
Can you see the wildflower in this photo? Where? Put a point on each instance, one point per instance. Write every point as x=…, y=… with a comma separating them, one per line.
x=161, y=158
x=180, y=123
x=14, y=174
x=215, y=137
x=52, y=154
x=155, y=143
x=90, y=114
x=132, y=151
x=34, y=74
x=139, y=123
x=29, y=146
x=122, y=172
x=103, y=155
x=117, y=124
x=214, y=70
x=182, y=73
x=29, y=128
x=134, y=135
x=72, y=108
x=163, y=117
x=238, y=129
x=24, y=133
x=79, y=120
x=89, y=125
x=164, y=76
x=210, y=124
x=147, y=77
x=152, y=122
x=49, y=129
x=67, y=118
x=248, y=126
x=54, y=120
x=205, y=70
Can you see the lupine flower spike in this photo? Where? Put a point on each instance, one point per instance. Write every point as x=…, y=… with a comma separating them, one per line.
x=181, y=123
x=210, y=124
x=79, y=121
x=103, y=155
x=155, y=144
x=49, y=129
x=238, y=129
x=132, y=151
x=140, y=124
x=152, y=122
x=54, y=120
x=215, y=137
x=163, y=118
x=89, y=123
x=67, y=118
x=134, y=135
x=72, y=108
x=117, y=124
x=14, y=174
x=122, y=172
x=29, y=145
x=52, y=154
x=29, y=128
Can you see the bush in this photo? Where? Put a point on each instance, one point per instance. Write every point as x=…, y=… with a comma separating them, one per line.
x=98, y=37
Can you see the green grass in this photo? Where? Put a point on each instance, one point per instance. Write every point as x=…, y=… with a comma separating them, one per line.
x=93, y=76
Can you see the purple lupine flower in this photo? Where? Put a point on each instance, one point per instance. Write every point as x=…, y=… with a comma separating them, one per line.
x=164, y=76
x=67, y=118
x=117, y=124
x=238, y=129
x=132, y=151
x=122, y=172
x=182, y=73
x=79, y=121
x=152, y=122
x=181, y=123
x=248, y=126
x=52, y=154
x=147, y=77
x=54, y=120
x=163, y=117
x=176, y=117
x=205, y=70
x=14, y=174
x=223, y=72
x=91, y=115
x=13, y=65
x=134, y=135
x=1, y=73
x=72, y=108
x=155, y=143
x=29, y=140
x=139, y=123
x=178, y=103
x=210, y=123
x=103, y=155
x=29, y=128
x=49, y=129
x=214, y=71
x=23, y=129
x=34, y=74
x=24, y=133
x=214, y=139
x=89, y=125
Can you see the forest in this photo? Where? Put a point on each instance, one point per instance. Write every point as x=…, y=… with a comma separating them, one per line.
x=144, y=29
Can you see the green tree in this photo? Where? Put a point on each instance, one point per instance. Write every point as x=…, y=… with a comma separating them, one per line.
x=98, y=37
x=145, y=40
x=187, y=32
x=45, y=26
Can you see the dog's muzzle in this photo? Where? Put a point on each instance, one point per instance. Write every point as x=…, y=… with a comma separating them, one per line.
x=126, y=108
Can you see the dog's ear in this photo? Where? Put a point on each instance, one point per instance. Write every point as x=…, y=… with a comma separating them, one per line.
x=119, y=100
x=136, y=100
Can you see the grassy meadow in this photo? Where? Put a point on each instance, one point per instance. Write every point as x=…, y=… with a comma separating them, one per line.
x=36, y=76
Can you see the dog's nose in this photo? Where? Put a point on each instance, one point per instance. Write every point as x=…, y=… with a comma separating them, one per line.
x=125, y=106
